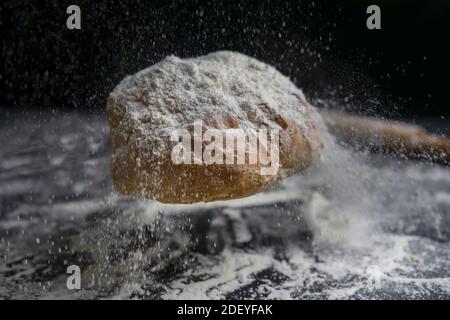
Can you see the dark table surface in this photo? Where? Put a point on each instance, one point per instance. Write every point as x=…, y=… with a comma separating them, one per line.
x=355, y=226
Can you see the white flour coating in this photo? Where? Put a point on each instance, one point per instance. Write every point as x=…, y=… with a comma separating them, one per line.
x=175, y=92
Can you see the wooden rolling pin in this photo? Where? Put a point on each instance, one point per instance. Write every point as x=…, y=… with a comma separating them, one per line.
x=401, y=139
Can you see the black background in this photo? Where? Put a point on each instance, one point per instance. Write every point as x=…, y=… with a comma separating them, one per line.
x=324, y=46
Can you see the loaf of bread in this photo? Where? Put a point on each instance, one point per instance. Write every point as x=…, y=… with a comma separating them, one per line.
x=222, y=91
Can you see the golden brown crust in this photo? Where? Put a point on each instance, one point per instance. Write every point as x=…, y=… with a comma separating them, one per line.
x=225, y=90
x=160, y=179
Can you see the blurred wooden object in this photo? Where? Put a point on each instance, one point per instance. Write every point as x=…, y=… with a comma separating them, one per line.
x=402, y=139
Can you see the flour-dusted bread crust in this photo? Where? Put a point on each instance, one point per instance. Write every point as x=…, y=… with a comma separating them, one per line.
x=224, y=90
